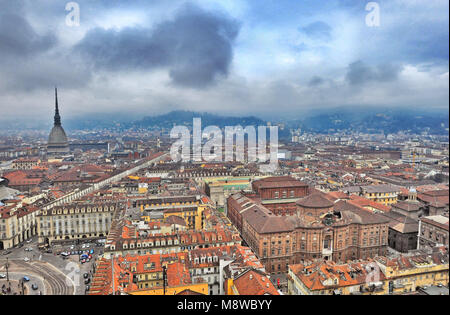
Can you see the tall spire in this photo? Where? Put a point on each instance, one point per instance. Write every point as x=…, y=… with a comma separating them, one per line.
x=57, y=117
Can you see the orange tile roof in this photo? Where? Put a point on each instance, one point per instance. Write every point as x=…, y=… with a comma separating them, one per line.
x=254, y=282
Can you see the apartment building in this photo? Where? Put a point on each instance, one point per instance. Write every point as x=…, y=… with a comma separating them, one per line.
x=18, y=223
x=76, y=221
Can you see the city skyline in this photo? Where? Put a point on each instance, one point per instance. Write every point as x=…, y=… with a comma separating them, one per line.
x=224, y=149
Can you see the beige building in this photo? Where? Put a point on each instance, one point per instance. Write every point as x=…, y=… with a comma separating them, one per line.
x=17, y=224
x=84, y=220
x=380, y=276
x=25, y=163
x=385, y=194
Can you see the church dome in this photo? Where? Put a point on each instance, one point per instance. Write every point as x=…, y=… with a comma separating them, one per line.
x=57, y=136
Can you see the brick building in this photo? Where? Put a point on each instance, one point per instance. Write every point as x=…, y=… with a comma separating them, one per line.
x=433, y=231
x=279, y=194
x=319, y=229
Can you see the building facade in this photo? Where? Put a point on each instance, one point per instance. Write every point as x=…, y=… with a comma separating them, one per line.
x=76, y=221
x=320, y=229
x=433, y=231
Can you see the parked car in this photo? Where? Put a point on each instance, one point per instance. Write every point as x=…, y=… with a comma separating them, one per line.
x=28, y=249
x=29, y=241
x=34, y=287
x=86, y=276
x=26, y=259
x=2, y=276
x=7, y=252
x=87, y=281
x=25, y=279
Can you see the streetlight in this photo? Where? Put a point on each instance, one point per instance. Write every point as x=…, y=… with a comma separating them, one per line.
x=7, y=266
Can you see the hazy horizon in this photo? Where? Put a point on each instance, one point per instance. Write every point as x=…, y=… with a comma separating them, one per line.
x=238, y=58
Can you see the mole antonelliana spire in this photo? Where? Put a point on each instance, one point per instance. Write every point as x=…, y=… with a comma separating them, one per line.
x=57, y=141
x=57, y=117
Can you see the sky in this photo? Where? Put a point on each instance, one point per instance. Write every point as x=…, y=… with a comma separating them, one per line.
x=269, y=58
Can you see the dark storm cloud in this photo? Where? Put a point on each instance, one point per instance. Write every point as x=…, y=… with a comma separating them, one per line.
x=196, y=47
x=318, y=30
x=18, y=38
x=360, y=73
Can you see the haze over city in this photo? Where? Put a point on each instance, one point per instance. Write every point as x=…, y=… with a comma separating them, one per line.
x=134, y=58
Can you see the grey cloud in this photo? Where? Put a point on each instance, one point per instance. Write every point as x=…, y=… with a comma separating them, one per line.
x=360, y=73
x=315, y=81
x=18, y=38
x=318, y=30
x=196, y=47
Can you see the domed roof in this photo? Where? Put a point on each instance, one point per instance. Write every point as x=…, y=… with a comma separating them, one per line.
x=315, y=201
x=57, y=136
x=57, y=140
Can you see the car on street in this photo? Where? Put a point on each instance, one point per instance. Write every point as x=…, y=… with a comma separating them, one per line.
x=25, y=279
x=7, y=252
x=26, y=259
x=34, y=287
x=87, y=281
x=2, y=276
x=86, y=276
x=28, y=249
x=29, y=241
